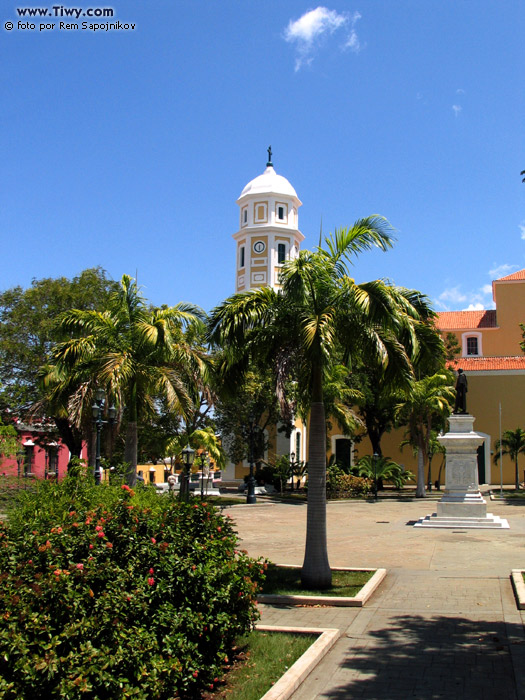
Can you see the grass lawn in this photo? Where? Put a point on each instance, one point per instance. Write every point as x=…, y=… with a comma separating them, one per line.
x=284, y=581
x=261, y=659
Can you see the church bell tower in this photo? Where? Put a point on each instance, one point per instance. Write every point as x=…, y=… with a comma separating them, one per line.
x=268, y=232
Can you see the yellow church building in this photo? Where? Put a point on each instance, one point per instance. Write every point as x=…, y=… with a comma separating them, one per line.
x=492, y=360
x=490, y=355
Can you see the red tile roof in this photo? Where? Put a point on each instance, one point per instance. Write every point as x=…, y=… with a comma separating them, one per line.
x=519, y=275
x=486, y=364
x=466, y=320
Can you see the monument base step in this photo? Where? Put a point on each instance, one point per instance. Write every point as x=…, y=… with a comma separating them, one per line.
x=491, y=522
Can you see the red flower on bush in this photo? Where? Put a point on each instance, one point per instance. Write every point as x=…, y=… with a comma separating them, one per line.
x=153, y=540
x=151, y=571
x=151, y=581
x=109, y=545
x=80, y=566
x=100, y=534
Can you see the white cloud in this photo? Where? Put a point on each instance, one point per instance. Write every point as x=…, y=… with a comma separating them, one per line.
x=502, y=271
x=314, y=26
x=453, y=295
x=456, y=109
x=353, y=43
x=522, y=229
x=460, y=91
x=455, y=299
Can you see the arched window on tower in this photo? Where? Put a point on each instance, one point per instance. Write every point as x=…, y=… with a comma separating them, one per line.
x=298, y=446
x=281, y=253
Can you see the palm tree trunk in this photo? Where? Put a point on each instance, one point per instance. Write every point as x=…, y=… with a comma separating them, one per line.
x=517, y=475
x=316, y=572
x=420, y=490
x=130, y=452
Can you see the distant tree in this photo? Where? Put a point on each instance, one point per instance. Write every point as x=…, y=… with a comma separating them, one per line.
x=512, y=444
x=8, y=441
x=135, y=353
x=241, y=399
x=28, y=329
x=452, y=346
x=156, y=430
x=425, y=408
x=523, y=173
x=381, y=392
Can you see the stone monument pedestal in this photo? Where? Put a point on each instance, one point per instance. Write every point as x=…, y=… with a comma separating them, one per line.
x=462, y=505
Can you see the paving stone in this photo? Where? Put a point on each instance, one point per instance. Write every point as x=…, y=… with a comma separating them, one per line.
x=444, y=622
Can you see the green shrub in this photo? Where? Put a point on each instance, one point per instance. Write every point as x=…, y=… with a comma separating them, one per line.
x=342, y=485
x=384, y=469
x=105, y=594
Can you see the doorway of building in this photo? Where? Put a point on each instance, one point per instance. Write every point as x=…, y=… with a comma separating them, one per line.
x=481, y=464
x=343, y=453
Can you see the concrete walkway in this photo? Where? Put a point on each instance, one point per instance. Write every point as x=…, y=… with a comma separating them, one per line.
x=443, y=624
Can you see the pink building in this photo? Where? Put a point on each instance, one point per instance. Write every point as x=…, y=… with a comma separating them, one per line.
x=40, y=455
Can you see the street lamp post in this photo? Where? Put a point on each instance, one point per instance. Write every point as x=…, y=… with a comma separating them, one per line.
x=188, y=455
x=376, y=458
x=97, y=411
x=250, y=494
x=204, y=457
x=293, y=464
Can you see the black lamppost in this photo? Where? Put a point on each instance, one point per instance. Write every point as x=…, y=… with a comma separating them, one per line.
x=188, y=455
x=204, y=459
x=250, y=494
x=376, y=458
x=293, y=465
x=97, y=410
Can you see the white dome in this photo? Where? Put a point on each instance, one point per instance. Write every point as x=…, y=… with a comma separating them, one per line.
x=269, y=183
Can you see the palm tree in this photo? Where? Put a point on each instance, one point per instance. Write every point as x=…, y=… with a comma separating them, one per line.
x=319, y=318
x=512, y=444
x=427, y=404
x=135, y=353
x=383, y=469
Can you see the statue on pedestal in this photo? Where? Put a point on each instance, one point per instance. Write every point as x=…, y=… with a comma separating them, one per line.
x=460, y=405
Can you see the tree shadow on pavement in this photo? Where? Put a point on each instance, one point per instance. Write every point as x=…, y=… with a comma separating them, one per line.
x=430, y=658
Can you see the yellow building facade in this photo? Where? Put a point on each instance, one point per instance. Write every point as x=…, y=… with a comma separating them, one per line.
x=494, y=364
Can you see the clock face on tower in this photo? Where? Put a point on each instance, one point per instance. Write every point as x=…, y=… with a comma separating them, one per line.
x=259, y=246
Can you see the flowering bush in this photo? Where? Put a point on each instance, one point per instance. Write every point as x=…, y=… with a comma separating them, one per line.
x=140, y=600
x=342, y=485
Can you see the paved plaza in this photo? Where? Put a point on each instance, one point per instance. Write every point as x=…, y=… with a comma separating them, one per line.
x=443, y=624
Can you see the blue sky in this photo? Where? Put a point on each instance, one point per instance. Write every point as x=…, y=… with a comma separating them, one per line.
x=127, y=149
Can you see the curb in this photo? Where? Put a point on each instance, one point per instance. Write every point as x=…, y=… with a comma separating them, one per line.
x=305, y=664
x=357, y=601
x=518, y=584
